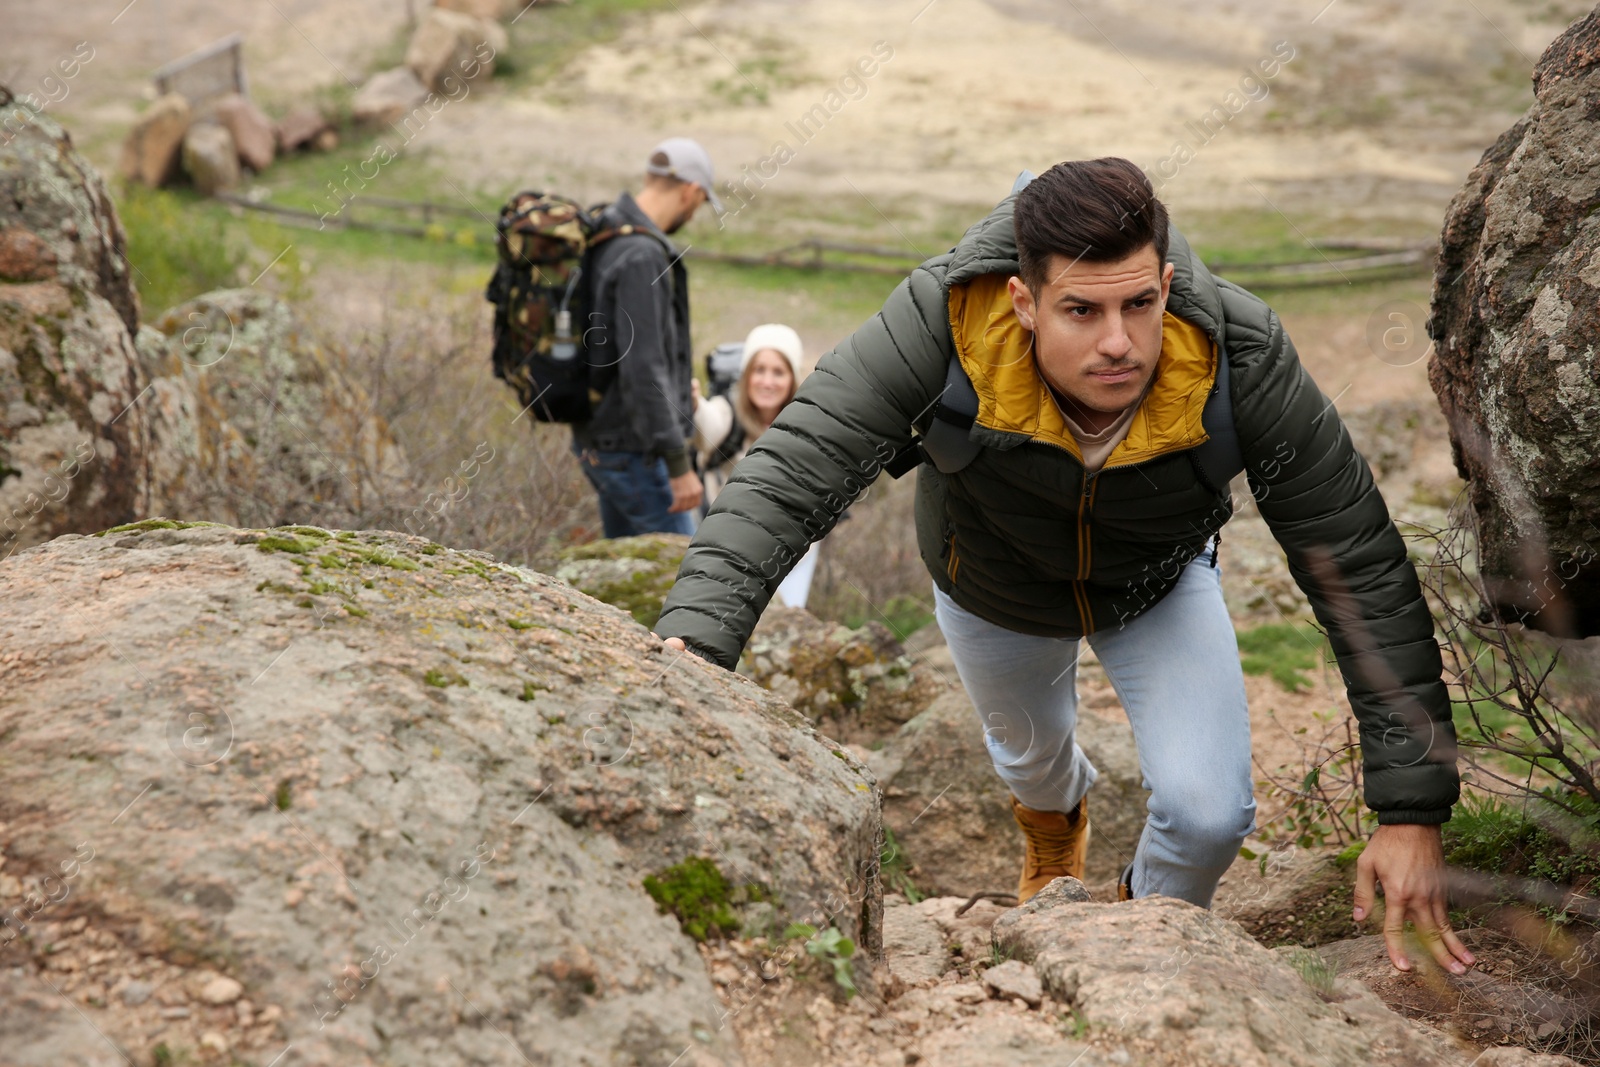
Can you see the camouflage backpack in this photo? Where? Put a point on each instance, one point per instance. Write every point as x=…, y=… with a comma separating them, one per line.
x=541, y=302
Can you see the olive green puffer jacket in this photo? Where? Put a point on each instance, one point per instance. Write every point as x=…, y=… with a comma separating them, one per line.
x=1024, y=538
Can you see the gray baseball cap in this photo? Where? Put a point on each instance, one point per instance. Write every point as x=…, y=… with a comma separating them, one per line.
x=686, y=160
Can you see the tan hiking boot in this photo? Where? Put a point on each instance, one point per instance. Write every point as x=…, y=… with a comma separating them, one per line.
x=1057, y=845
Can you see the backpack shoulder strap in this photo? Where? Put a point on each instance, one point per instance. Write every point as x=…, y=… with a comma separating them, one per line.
x=1220, y=459
x=947, y=443
x=629, y=229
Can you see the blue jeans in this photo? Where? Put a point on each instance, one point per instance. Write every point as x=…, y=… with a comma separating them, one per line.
x=634, y=493
x=1176, y=670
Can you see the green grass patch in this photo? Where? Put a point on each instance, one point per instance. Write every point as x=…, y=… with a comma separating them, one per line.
x=832, y=948
x=177, y=248
x=379, y=558
x=1529, y=839
x=146, y=525
x=1284, y=651
x=903, y=615
x=894, y=869
x=1318, y=972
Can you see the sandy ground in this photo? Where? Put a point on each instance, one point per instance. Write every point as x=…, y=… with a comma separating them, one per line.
x=1372, y=109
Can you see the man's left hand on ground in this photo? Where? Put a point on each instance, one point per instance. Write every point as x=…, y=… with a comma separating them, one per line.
x=1408, y=861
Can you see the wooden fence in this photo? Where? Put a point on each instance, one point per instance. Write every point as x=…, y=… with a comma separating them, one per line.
x=1381, y=257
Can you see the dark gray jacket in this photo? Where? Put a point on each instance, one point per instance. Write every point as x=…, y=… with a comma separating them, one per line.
x=637, y=338
x=1025, y=538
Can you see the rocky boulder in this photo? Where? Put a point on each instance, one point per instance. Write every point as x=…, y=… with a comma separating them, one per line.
x=71, y=432
x=253, y=421
x=383, y=802
x=1515, y=322
x=632, y=573
x=450, y=48
x=1185, y=987
x=387, y=96
x=210, y=158
x=304, y=127
x=150, y=152
x=250, y=128
x=857, y=685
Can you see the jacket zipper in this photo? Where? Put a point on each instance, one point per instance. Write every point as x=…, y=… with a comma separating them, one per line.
x=952, y=560
x=1085, y=548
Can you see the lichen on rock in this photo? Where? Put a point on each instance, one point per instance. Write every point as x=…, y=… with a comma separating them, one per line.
x=1516, y=325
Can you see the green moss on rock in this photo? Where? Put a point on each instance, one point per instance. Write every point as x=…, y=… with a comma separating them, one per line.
x=632, y=573
x=699, y=895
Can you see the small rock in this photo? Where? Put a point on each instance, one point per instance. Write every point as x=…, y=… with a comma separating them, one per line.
x=210, y=158
x=967, y=993
x=136, y=993
x=175, y=1013
x=221, y=990
x=150, y=154
x=251, y=130
x=299, y=128
x=450, y=48
x=213, y=1040
x=388, y=96
x=1014, y=980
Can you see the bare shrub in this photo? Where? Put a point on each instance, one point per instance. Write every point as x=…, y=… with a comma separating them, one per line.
x=483, y=475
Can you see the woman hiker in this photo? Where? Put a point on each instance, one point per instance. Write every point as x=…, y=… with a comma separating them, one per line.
x=726, y=426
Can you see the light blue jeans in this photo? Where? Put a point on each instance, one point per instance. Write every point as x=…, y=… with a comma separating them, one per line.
x=1176, y=670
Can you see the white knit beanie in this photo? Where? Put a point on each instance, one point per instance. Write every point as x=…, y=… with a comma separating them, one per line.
x=781, y=339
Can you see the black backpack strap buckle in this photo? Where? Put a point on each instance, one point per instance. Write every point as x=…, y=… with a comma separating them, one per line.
x=906, y=460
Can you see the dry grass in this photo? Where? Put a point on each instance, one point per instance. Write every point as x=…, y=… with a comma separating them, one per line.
x=482, y=476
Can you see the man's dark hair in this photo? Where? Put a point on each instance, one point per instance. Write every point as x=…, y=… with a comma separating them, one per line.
x=1096, y=210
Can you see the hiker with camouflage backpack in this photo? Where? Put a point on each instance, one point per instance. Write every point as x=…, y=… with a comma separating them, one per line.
x=591, y=329
x=634, y=446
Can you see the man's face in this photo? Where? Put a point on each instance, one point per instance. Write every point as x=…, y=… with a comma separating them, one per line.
x=1097, y=327
x=690, y=197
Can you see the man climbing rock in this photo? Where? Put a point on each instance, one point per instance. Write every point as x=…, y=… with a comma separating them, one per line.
x=634, y=448
x=1079, y=389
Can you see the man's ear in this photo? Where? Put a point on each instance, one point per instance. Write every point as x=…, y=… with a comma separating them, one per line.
x=1166, y=283
x=1021, y=301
